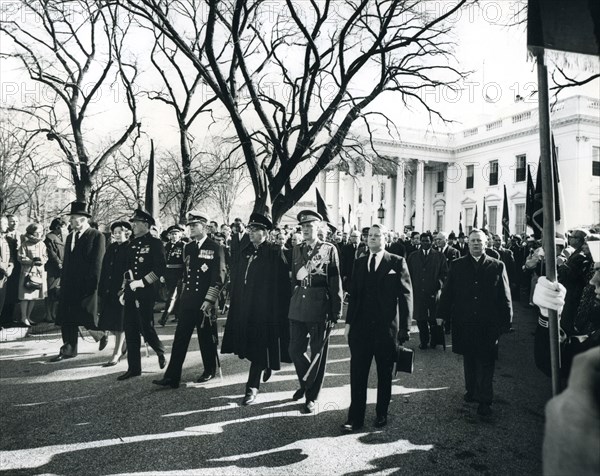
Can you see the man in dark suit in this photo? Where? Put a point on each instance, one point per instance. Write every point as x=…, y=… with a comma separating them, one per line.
x=396, y=248
x=461, y=245
x=414, y=243
x=239, y=240
x=476, y=303
x=428, y=269
x=203, y=278
x=448, y=251
x=78, y=298
x=379, y=315
x=347, y=258
x=506, y=256
x=146, y=263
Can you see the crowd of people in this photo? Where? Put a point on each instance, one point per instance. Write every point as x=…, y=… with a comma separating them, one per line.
x=283, y=290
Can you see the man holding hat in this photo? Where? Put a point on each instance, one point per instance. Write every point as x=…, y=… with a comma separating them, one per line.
x=203, y=277
x=316, y=306
x=174, y=273
x=82, y=262
x=257, y=326
x=145, y=264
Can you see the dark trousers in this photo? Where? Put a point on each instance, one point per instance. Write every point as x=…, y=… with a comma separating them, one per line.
x=207, y=338
x=70, y=335
x=363, y=347
x=479, y=376
x=300, y=334
x=139, y=321
x=256, y=370
x=424, y=330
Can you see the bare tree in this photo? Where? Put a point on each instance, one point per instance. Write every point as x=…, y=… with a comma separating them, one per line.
x=73, y=49
x=294, y=81
x=231, y=181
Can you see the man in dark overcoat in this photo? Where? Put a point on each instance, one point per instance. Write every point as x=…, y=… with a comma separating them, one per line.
x=203, y=277
x=174, y=272
x=80, y=274
x=461, y=245
x=428, y=269
x=378, y=319
x=257, y=325
x=476, y=302
x=444, y=247
x=146, y=263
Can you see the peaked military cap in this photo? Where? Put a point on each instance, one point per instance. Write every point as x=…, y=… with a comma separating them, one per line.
x=175, y=228
x=79, y=208
x=120, y=224
x=196, y=217
x=143, y=215
x=307, y=216
x=365, y=230
x=260, y=220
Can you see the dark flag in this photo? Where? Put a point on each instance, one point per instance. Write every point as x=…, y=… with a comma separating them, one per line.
x=349, y=214
x=505, y=221
x=484, y=222
x=475, y=218
x=460, y=228
x=530, y=201
x=151, y=199
x=322, y=207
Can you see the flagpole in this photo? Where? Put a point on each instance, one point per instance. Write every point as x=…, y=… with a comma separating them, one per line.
x=548, y=210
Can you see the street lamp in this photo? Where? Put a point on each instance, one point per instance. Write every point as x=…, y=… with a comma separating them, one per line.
x=381, y=213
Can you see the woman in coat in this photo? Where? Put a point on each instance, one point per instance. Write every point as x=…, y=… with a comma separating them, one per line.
x=32, y=256
x=114, y=266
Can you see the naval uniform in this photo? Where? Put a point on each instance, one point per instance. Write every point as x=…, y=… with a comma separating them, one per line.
x=203, y=278
x=316, y=299
x=145, y=261
x=174, y=274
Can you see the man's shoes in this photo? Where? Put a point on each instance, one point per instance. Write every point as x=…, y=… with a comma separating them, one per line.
x=103, y=341
x=469, y=398
x=310, y=406
x=484, y=409
x=163, y=320
x=166, y=382
x=60, y=357
x=298, y=394
x=250, y=396
x=351, y=426
x=381, y=421
x=162, y=361
x=128, y=375
x=433, y=346
x=205, y=378
x=266, y=375
x=423, y=346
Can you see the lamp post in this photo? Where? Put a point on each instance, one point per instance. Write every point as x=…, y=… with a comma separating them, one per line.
x=381, y=213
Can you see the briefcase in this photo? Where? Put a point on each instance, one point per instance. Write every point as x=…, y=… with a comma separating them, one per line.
x=438, y=336
x=405, y=360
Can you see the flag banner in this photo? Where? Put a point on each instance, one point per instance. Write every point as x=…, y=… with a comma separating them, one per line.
x=322, y=207
x=475, y=218
x=530, y=204
x=151, y=197
x=505, y=219
x=484, y=222
x=460, y=228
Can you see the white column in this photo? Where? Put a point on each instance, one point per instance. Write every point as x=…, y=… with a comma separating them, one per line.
x=399, y=198
x=420, y=183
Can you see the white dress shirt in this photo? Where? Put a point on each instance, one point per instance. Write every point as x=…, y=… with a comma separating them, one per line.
x=378, y=258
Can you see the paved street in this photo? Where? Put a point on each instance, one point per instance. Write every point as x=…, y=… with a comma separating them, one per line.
x=73, y=417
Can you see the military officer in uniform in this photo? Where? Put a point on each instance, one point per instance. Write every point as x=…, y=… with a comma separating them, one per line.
x=145, y=264
x=174, y=272
x=316, y=305
x=203, y=278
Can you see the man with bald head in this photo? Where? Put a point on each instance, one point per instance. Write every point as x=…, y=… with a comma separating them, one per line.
x=441, y=243
x=476, y=303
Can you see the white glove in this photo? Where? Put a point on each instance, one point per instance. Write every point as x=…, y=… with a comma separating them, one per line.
x=122, y=299
x=135, y=284
x=549, y=295
x=162, y=279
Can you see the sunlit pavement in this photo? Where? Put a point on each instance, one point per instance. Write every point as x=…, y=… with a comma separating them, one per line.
x=74, y=417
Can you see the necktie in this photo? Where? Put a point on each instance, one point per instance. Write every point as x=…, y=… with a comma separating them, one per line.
x=372, y=264
x=75, y=238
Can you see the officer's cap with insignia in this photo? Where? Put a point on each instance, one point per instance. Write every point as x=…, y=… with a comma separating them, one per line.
x=196, y=217
x=143, y=215
x=120, y=224
x=175, y=228
x=260, y=220
x=308, y=216
x=365, y=230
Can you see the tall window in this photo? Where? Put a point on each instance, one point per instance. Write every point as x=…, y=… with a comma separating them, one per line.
x=596, y=161
x=521, y=168
x=360, y=195
x=520, y=224
x=372, y=193
x=439, y=220
x=440, y=182
x=468, y=219
x=493, y=219
x=494, y=172
x=470, y=175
